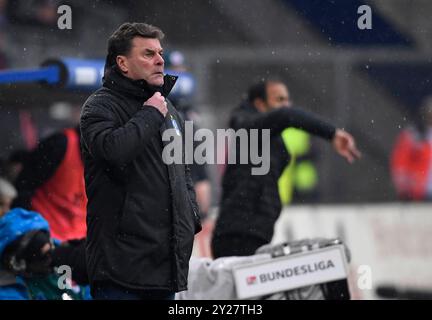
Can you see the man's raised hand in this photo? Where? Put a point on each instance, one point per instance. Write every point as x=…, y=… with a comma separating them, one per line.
x=158, y=101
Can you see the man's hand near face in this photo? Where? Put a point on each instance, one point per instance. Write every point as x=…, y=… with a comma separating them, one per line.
x=158, y=101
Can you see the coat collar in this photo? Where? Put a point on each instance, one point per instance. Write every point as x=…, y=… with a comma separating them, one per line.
x=140, y=89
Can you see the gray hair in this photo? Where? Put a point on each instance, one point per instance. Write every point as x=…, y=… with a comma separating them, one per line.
x=120, y=42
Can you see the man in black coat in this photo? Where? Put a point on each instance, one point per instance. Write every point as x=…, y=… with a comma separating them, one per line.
x=142, y=214
x=250, y=204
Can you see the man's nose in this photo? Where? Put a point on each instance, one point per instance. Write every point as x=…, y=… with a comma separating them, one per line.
x=160, y=60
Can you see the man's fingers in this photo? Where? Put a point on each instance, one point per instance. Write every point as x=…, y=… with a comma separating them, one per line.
x=159, y=102
x=346, y=146
x=347, y=153
x=348, y=156
x=353, y=155
x=357, y=153
x=353, y=149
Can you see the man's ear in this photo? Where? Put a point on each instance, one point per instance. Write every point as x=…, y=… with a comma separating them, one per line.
x=260, y=105
x=122, y=63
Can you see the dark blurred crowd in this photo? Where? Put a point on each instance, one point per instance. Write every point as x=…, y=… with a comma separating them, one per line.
x=35, y=13
x=3, y=22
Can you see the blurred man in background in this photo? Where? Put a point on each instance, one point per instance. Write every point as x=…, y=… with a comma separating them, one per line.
x=52, y=183
x=411, y=158
x=251, y=204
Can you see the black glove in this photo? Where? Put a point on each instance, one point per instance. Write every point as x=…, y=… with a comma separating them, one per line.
x=72, y=253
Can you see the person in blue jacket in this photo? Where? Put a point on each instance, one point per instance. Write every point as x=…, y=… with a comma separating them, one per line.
x=26, y=270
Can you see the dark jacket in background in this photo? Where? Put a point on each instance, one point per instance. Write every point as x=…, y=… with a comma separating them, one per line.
x=39, y=166
x=141, y=214
x=250, y=204
x=52, y=183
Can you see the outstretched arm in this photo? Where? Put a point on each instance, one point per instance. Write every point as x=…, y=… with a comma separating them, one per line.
x=280, y=119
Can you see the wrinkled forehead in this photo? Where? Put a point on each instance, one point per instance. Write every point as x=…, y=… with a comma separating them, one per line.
x=150, y=44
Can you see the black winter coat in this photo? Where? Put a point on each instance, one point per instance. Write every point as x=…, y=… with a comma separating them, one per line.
x=250, y=204
x=141, y=214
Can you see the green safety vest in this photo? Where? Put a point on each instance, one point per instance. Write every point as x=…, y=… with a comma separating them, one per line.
x=302, y=175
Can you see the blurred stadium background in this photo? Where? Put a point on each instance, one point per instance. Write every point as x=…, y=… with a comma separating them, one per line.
x=371, y=82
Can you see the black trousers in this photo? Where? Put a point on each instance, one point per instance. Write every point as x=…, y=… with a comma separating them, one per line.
x=235, y=245
x=107, y=290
